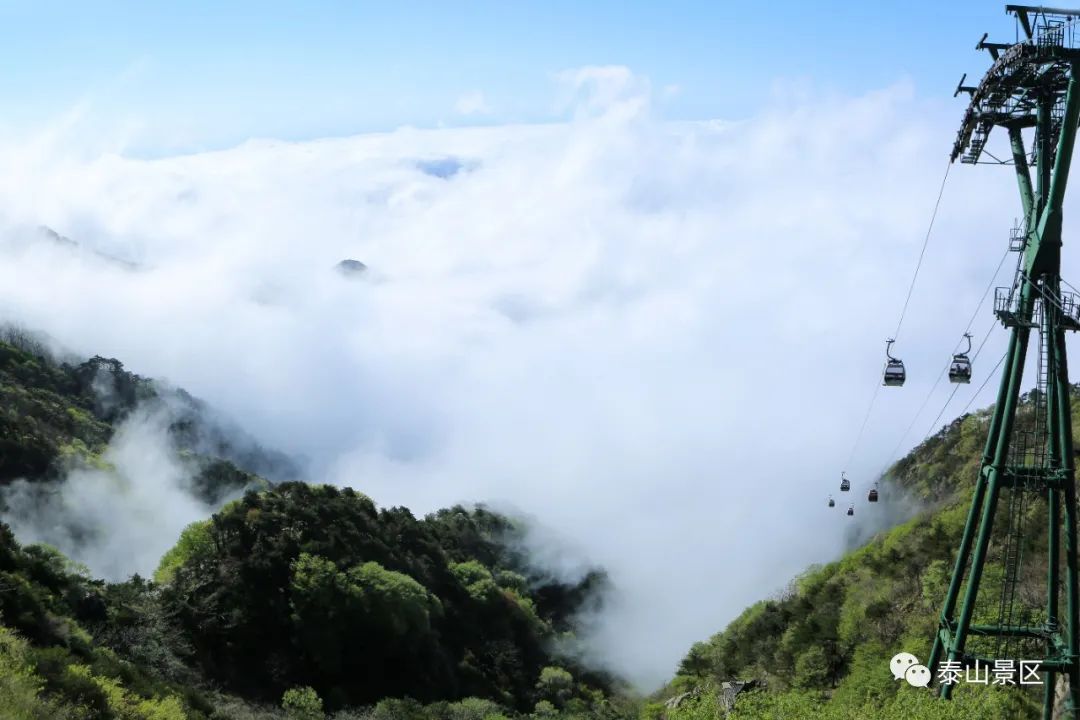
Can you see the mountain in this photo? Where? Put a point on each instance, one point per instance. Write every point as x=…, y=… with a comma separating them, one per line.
x=47, y=234
x=292, y=600
x=58, y=414
x=351, y=268
x=298, y=600
x=820, y=650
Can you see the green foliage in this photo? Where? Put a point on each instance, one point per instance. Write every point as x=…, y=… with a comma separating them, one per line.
x=57, y=415
x=362, y=604
x=555, y=685
x=812, y=669
x=288, y=593
x=20, y=685
x=123, y=704
x=302, y=704
x=195, y=543
x=822, y=648
x=972, y=703
x=298, y=594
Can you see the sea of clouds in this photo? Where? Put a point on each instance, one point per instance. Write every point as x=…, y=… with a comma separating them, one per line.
x=657, y=339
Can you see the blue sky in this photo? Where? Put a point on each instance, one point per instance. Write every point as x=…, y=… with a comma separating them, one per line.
x=185, y=76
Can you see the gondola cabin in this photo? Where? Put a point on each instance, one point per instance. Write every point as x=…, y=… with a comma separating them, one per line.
x=832, y=503
x=960, y=367
x=851, y=510
x=894, y=374
x=872, y=495
x=845, y=484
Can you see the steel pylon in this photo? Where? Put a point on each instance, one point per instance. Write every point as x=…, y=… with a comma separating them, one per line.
x=1032, y=91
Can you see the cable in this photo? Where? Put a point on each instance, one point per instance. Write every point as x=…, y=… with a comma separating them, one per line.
x=993, y=279
x=945, y=370
x=953, y=393
x=985, y=338
x=903, y=311
x=922, y=253
x=915, y=419
x=934, y=424
x=1046, y=298
x=866, y=419
x=983, y=386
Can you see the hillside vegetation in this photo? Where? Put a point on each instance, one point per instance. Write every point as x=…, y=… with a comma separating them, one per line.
x=302, y=601
x=292, y=601
x=821, y=649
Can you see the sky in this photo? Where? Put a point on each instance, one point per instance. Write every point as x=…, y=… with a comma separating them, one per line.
x=646, y=313
x=170, y=77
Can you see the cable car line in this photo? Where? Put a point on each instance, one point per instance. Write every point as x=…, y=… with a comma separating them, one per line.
x=933, y=425
x=866, y=419
x=948, y=365
x=922, y=253
x=983, y=386
x=943, y=407
x=918, y=414
x=895, y=364
x=986, y=293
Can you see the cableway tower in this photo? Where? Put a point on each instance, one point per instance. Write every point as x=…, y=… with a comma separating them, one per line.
x=1031, y=92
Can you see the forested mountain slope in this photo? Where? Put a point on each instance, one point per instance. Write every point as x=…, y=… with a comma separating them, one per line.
x=291, y=601
x=821, y=649
x=300, y=600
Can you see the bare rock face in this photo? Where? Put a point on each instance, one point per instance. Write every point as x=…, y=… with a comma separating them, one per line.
x=675, y=702
x=730, y=690
x=351, y=268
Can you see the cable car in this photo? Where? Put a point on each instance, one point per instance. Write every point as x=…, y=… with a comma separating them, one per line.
x=894, y=370
x=960, y=367
x=845, y=484
x=832, y=503
x=872, y=495
x=851, y=510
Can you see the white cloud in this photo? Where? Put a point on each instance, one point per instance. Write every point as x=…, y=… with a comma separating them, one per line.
x=472, y=103
x=657, y=339
x=120, y=519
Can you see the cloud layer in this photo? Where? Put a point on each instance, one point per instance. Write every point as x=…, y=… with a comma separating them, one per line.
x=658, y=339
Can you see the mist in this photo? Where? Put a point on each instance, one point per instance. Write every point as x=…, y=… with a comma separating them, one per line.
x=117, y=519
x=659, y=339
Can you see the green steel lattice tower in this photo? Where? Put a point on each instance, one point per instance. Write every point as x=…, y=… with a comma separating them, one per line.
x=1032, y=91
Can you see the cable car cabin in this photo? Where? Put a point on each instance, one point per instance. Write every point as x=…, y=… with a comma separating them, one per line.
x=960, y=367
x=832, y=503
x=845, y=484
x=894, y=370
x=872, y=496
x=960, y=370
x=851, y=510
x=894, y=374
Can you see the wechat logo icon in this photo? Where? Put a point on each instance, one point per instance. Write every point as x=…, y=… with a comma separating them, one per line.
x=907, y=667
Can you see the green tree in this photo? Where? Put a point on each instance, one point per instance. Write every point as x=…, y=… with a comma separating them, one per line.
x=302, y=703
x=195, y=543
x=555, y=685
x=812, y=669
